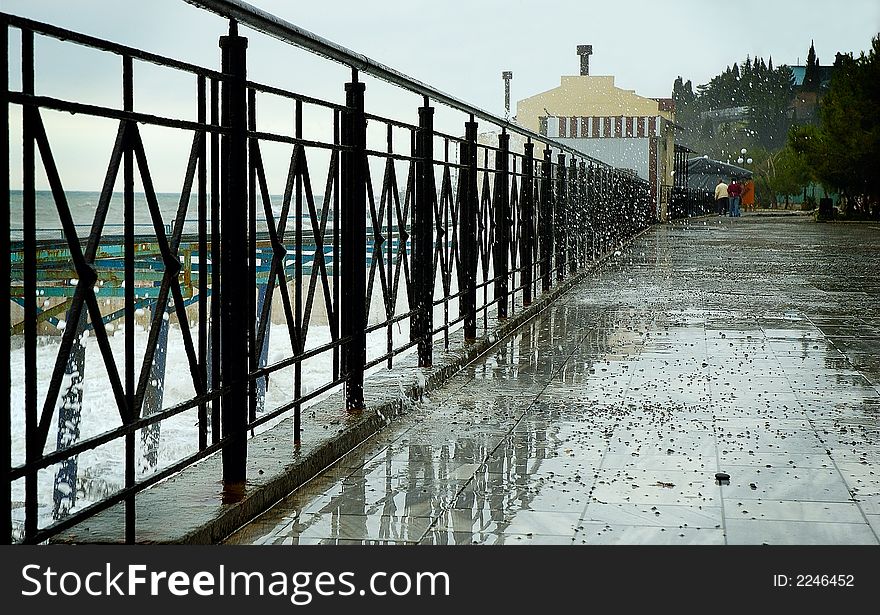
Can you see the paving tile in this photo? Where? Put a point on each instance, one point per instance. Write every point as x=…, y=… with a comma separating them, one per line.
x=792, y=510
x=649, y=442
x=542, y=522
x=862, y=478
x=353, y=527
x=595, y=534
x=770, y=459
x=874, y=521
x=807, y=484
x=748, y=532
x=662, y=515
x=512, y=538
x=660, y=460
x=691, y=488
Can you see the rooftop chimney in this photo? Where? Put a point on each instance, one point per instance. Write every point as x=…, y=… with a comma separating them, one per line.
x=584, y=51
x=507, y=76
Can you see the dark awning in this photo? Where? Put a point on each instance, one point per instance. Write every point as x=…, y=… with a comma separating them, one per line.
x=703, y=172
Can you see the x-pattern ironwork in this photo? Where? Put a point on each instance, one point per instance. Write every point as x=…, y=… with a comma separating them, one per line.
x=128, y=139
x=389, y=258
x=444, y=222
x=486, y=220
x=379, y=250
x=514, y=221
x=596, y=201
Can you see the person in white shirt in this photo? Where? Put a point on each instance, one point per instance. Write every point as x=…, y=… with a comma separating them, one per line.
x=721, y=197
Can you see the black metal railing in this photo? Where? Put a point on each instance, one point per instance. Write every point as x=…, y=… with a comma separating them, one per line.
x=684, y=201
x=466, y=227
x=689, y=202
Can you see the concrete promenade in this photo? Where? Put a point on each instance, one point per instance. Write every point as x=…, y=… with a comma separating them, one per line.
x=749, y=346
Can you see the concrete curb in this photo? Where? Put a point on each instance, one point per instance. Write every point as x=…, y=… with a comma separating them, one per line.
x=192, y=507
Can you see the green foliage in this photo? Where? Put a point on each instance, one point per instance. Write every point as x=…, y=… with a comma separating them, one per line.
x=792, y=172
x=779, y=174
x=766, y=91
x=844, y=150
x=811, y=72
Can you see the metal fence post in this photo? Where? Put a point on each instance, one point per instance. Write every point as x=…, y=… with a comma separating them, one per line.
x=616, y=212
x=353, y=237
x=422, y=323
x=582, y=215
x=604, y=199
x=613, y=225
x=545, y=218
x=502, y=223
x=5, y=370
x=467, y=236
x=592, y=198
x=574, y=200
x=234, y=256
x=559, y=230
x=527, y=222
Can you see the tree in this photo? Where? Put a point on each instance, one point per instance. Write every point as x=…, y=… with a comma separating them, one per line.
x=771, y=96
x=686, y=113
x=683, y=95
x=811, y=72
x=766, y=91
x=842, y=152
x=780, y=174
x=792, y=173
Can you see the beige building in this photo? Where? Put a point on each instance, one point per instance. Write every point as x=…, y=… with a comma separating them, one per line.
x=591, y=114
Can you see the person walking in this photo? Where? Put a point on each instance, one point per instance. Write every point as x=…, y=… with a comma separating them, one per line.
x=734, y=193
x=748, y=195
x=721, y=197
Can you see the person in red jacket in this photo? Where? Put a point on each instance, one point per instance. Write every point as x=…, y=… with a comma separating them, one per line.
x=734, y=191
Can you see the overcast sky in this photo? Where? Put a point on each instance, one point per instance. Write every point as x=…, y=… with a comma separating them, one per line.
x=461, y=47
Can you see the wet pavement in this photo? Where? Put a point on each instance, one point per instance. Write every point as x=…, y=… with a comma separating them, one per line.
x=745, y=346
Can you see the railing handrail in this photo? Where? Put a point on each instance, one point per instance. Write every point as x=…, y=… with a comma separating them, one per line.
x=287, y=32
x=80, y=38
x=529, y=228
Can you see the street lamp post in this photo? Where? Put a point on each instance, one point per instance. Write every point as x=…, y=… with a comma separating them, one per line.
x=740, y=159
